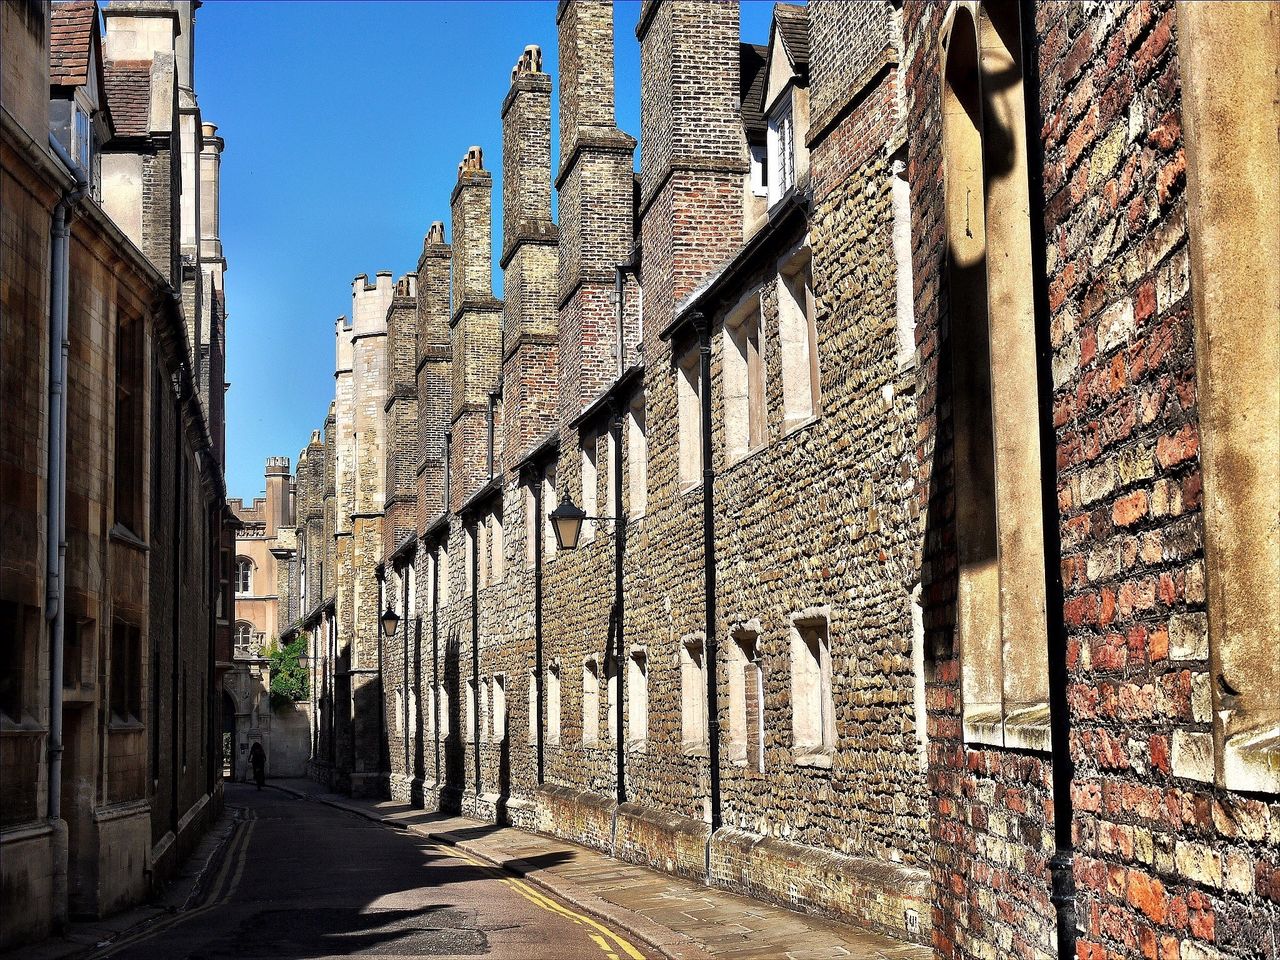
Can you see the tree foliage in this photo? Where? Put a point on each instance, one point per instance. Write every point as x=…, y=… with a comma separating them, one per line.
x=288, y=676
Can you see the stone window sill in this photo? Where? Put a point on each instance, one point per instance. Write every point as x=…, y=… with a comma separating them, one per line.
x=1251, y=761
x=122, y=534
x=638, y=746
x=124, y=724
x=695, y=749
x=800, y=423
x=25, y=727
x=813, y=757
x=1026, y=728
x=736, y=458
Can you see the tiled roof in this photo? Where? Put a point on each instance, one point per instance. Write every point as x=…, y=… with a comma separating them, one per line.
x=793, y=26
x=754, y=61
x=129, y=96
x=70, y=34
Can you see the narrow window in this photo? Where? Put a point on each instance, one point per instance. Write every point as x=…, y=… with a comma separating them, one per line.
x=637, y=458
x=549, y=503
x=498, y=708
x=744, y=396
x=473, y=708
x=399, y=711
x=690, y=419
x=638, y=698
x=693, y=695
x=411, y=594
x=611, y=688
x=19, y=628
x=530, y=524
x=798, y=340
x=442, y=697
x=780, y=140
x=126, y=672
x=533, y=707
x=497, y=562
x=553, y=705
x=813, y=707
x=904, y=291
x=469, y=546
x=480, y=543
x=611, y=475
x=413, y=714
x=590, y=483
x=590, y=702
x=244, y=638
x=442, y=573
x=244, y=576
x=130, y=458
x=746, y=698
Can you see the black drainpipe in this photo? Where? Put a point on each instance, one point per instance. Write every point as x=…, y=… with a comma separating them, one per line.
x=178, y=546
x=619, y=547
x=534, y=478
x=475, y=647
x=384, y=748
x=435, y=660
x=710, y=644
x=408, y=726
x=1061, y=863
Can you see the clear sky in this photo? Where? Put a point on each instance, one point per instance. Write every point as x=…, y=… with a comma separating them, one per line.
x=344, y=124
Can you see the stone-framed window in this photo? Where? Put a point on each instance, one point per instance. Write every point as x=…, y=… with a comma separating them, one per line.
x=904, y=290
x=473, y=711
x=638, y=698
x=590, y=701
x=130, y=452
x=20, y=628
x=689, y=413
x=746, y=699
x=399, y=713
x=497, y=562
x=549, y=502
x=813, y=725
x=126, y=673
x=1230, y=113
x=480, y=539
x=637, y=458
x=798, y=339
x=242, y=637
x=470, y=534
x=409, y=577
x=498, y=707
x=1000, y=618
x=693, y=694
x=611, y=694
x=530, y=523
x=553, y=703
x=533, y=707
x=745, y=425
x=442, y=709
x=486, y=714
x=611, y=477
x=590, y=482
x=244, y=576
x=442, y=573
x=781, y=142
x=412, y=713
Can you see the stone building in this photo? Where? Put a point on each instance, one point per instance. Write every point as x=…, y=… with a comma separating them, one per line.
x=265, y=543
x=912, y=369
x=112, y=590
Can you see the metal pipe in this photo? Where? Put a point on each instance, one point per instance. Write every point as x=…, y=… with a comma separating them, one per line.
x=619, y=551
x=179, y=509
x=710, y=645
x=404, y=619
x=435, y=661
x=475, y=649
x=535, y=478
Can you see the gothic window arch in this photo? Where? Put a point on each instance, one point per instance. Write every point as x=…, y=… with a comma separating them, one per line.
x=1001, y=623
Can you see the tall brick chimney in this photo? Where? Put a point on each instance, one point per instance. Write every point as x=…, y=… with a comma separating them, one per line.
x=476, y=327
x=433, y=372
x=278, y=513
x=596, y=187
x=529, y=261
x=401, y=405
x=693, y=150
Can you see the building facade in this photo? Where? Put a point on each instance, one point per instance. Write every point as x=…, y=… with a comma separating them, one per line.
x=919, y=388
x=112, y=587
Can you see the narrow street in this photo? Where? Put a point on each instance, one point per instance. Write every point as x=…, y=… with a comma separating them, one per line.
x=303, y=880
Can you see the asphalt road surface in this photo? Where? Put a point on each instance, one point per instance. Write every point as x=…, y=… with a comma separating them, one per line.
x=300, y=879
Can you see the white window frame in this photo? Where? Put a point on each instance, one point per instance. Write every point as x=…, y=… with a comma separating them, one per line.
x=781, y=141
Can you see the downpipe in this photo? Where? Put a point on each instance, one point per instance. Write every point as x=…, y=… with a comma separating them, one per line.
x=55, y=509
x=710, y=644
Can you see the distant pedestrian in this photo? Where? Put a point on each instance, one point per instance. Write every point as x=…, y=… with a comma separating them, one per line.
x=258, y=758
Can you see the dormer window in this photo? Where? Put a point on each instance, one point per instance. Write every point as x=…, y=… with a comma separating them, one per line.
x=81, y=138
x=781, y=171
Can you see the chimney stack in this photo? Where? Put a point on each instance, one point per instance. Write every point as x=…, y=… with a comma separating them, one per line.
x=433, y=372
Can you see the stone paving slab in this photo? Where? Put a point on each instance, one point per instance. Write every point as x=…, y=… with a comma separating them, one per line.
x=679, y=918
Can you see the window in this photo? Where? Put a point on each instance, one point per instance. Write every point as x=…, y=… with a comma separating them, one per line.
x=244, y=637
x=611, y=692
x=470, y=536
x=693, y=695
x=590, y=484
x=410, y=578
x=781, y=140
x=533, y=707
x=759, y=169
x=412, y=720
x=798, y=340
x=473, y=708
x=904, y=289
x=498, y=708
x=637, y=458
x=399, y=711
x=638, y=698
x=611, y=477
x=743, y=365
x=130, y=458
x=1000, y=615
x=126, y=672
x=497, y=563
x=442, y=573
x=442, y=706
x=19, y=638
x=81, y=138
x=483, y=708
x=530, y=523
x=549, y=502
x=689, y=411
x=746, y=700
x=553, y=704
x=813, y=726
x=590, y=702
x=244, y=576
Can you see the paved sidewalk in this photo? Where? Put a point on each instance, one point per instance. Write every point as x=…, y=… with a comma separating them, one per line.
x=682, y=919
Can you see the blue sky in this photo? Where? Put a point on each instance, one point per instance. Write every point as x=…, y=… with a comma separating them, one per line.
x=344, y=124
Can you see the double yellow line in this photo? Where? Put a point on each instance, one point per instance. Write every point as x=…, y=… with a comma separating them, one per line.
x=603, y=937
x=221, y=892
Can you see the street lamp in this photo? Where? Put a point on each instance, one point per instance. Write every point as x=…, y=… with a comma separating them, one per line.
x=566, y=521
x=390, y=620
